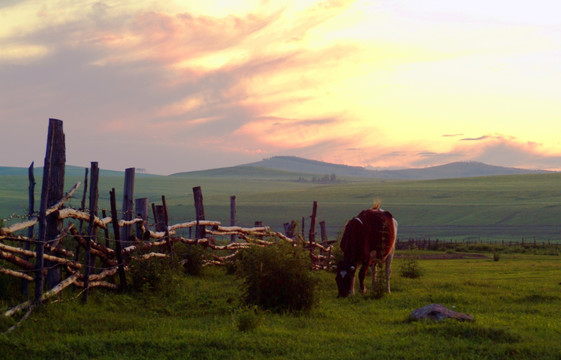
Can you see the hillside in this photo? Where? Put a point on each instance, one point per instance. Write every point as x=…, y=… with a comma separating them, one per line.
x=448, y=171
x=243, y=171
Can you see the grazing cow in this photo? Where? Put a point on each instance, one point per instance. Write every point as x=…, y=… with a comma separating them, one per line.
x=368, y=239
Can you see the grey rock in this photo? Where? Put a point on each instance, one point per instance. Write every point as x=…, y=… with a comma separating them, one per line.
x=437, y=312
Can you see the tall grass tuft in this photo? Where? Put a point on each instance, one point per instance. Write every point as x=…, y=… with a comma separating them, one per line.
x=248, y=318
x=380, y=286
x=411, y=269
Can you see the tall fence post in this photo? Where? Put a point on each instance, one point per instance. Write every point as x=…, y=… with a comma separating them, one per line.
x=56, y=192
x=200, y=212
x=92, y=229
x=128, y=204
x=30, y=211
x=118, y=247
x=232, y=216
x=51, y=160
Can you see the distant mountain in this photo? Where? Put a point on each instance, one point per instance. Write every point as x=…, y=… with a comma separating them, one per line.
x=452, y=170
x=243, y=171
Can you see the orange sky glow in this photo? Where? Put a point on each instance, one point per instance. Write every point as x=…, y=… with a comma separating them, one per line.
x=399, y=83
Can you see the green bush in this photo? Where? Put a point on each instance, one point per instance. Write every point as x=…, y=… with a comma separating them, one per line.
x=410, y=269
x=193, y=259
x=153, y=274
x=277, y=278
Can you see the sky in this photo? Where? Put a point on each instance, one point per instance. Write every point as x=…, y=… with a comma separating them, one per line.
x=172, y=86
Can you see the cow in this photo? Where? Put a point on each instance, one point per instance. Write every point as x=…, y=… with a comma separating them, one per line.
x=368, y=239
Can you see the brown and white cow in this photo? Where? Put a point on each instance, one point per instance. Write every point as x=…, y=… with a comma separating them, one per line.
x=369, y=239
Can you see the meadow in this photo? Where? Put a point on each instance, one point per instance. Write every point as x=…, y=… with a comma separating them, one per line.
x=494, y=208
x=515, y=302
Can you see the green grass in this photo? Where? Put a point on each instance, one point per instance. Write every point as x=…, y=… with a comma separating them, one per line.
x=493, y=208
x=515, y=302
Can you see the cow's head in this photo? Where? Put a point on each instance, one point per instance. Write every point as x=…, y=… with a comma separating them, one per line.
x=345, y=278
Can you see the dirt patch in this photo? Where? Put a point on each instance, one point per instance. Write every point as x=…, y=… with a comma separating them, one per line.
x=443, y=256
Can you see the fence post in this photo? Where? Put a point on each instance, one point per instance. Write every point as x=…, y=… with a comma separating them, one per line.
x=166, y=230
x=160, y=219
x=106, y=230
x=30, y=211
x=312, y=234
x=56, y=192
x=52, y=159
x=232, y=216
x=82, y=208
x=128, y=203
x=200, y=212
x=141, y=206
x=91, y=229
x=118, y=247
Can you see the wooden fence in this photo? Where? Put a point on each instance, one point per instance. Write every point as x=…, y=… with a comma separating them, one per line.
x=51, y=256
x=80, y=270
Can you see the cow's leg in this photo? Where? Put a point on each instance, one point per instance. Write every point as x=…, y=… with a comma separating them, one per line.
x=361, y=276
x=389, y=270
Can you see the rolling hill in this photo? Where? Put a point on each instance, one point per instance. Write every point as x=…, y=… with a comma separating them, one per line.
x=282, y=166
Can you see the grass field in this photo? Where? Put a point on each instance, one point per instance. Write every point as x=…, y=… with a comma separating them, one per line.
x=515, y=302
x=493, y=208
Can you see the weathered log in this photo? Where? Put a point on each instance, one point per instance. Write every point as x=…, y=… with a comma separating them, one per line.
x=55, y=290
x=101, y=250
x=92, y=284
x=151, y=255
x=7, y=249
x=17, y=274
x=16, y=260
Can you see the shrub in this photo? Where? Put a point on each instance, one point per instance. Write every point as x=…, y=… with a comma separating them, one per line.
x=277, y=278
x=153, y=274
x=193, y=259
x=410, y=269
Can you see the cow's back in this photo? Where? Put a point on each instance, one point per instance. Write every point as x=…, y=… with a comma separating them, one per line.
x=379, y=232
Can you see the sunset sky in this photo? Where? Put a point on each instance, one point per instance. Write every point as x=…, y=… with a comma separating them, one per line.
x=174, y=86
